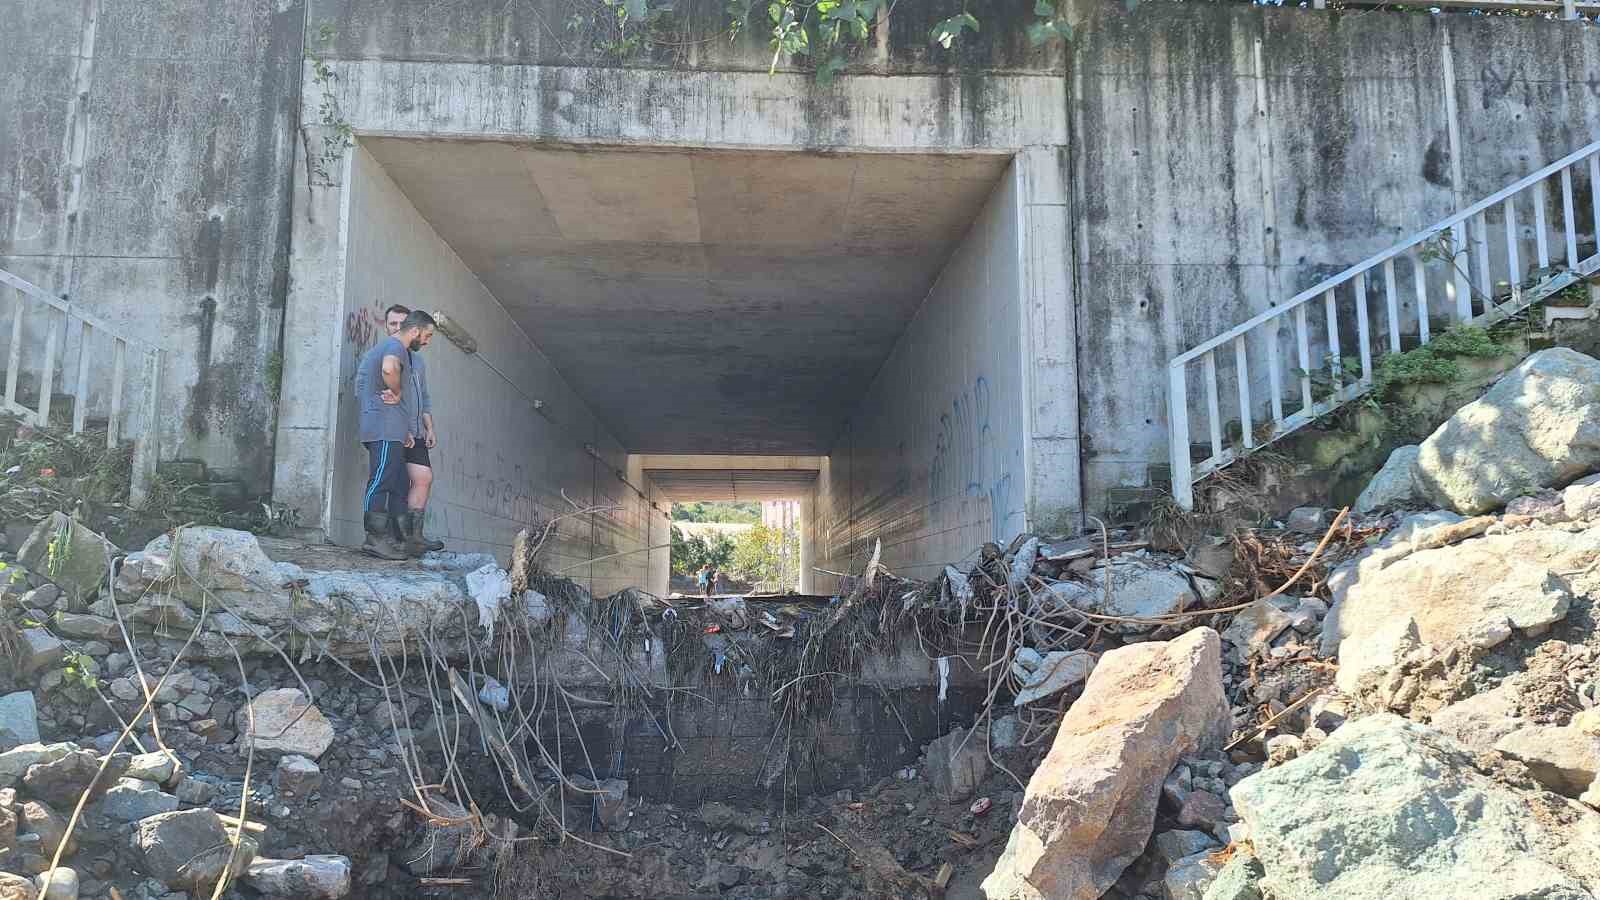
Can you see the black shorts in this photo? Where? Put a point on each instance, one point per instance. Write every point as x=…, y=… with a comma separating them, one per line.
x=417, y=454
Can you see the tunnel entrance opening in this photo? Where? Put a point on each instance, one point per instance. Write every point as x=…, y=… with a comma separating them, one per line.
x=621, y=327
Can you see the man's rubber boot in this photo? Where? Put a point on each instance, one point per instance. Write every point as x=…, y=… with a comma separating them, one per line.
x=408, y=539
x=379, y=542
x=415, y=535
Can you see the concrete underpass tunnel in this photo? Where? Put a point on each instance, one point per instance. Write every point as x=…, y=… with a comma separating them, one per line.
x=627, y=326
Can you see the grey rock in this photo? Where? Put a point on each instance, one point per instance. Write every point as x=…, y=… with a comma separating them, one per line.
x=1537, y=427
x=1171, y=846
x=158, y=767
x=38, y=649
x=1239, y=879
x=1044, y=675
x=14, y=763
x=60, y=883
x=1581, y=501
x=1006, y=732
x=298, y=775
x=190, y=850
x=1254, y=628
x=957, y=763
x=1394, y=485
x=62, y=780
x=1139, y=589
x=19, y=720
x=42, y=597
x=1308, y=520
x=319, y=877
x=1202, y=809
x=79, y=561
x=84, y=626
x=1449, y=590
x=1188, y=878
x=195, y=792
x=132, y=799
x=1388, y=808
x=438, y=846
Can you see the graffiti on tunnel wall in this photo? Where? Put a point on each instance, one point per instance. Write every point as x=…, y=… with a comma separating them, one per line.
x=970, y=465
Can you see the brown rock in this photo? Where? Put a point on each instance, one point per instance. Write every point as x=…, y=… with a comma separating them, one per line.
x=49, y=825
x=1565, y=760
x=1089, y=809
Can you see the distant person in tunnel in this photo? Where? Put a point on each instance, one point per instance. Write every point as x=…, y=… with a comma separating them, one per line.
x=419, y=465
x=388, y=415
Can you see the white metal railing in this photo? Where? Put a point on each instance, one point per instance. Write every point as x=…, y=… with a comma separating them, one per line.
x=1461, y=245
x=34, y=307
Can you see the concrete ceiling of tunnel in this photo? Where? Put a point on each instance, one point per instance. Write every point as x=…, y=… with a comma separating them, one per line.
x=702, y=301
x=687, y=485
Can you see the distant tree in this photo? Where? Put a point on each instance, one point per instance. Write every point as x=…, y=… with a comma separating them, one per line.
x=768, y=557
x=727, y=511
x=690, y=552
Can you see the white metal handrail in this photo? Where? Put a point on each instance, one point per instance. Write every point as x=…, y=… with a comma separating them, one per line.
x=59, y=317
x=1469, y=285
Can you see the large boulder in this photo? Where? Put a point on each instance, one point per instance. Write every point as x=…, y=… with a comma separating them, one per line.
x=1394, y=485
x=250, y=596
x=1387, y=808
x=1089, y=809
x=190, y=850
x=1525, y=578
x=1537, y=427
x=69, y=554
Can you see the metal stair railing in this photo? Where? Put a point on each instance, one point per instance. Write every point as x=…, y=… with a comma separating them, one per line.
x=34, y=306
x=1469, y=289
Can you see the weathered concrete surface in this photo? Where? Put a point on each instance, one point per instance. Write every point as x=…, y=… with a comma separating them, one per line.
x=144, y=173
x=1229, y=156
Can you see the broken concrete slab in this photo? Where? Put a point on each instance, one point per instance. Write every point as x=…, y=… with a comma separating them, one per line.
x=1046, y=674
x=957, y=762
x=1388, y=808
x=246, y=594
x=1089, y=809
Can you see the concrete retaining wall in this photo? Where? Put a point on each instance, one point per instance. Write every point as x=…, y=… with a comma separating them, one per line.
x=145, y=174
x=500, y=463
x=1228, y=157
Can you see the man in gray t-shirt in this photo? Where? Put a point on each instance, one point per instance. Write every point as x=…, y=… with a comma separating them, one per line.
x=388, y=410
x=419, y=461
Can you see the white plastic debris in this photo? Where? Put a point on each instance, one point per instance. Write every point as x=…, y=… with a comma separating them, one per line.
x=538, y=607
x=494, y=694
x=489, y=586
x=944, y=676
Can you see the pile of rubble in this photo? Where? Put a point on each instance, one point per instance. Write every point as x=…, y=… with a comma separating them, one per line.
x=1403, y=701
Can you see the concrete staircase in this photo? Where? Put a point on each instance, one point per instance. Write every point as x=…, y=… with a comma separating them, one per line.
x=1488, y=261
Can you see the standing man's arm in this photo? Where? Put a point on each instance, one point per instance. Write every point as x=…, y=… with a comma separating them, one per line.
x=391, y=382
x=425, y=403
